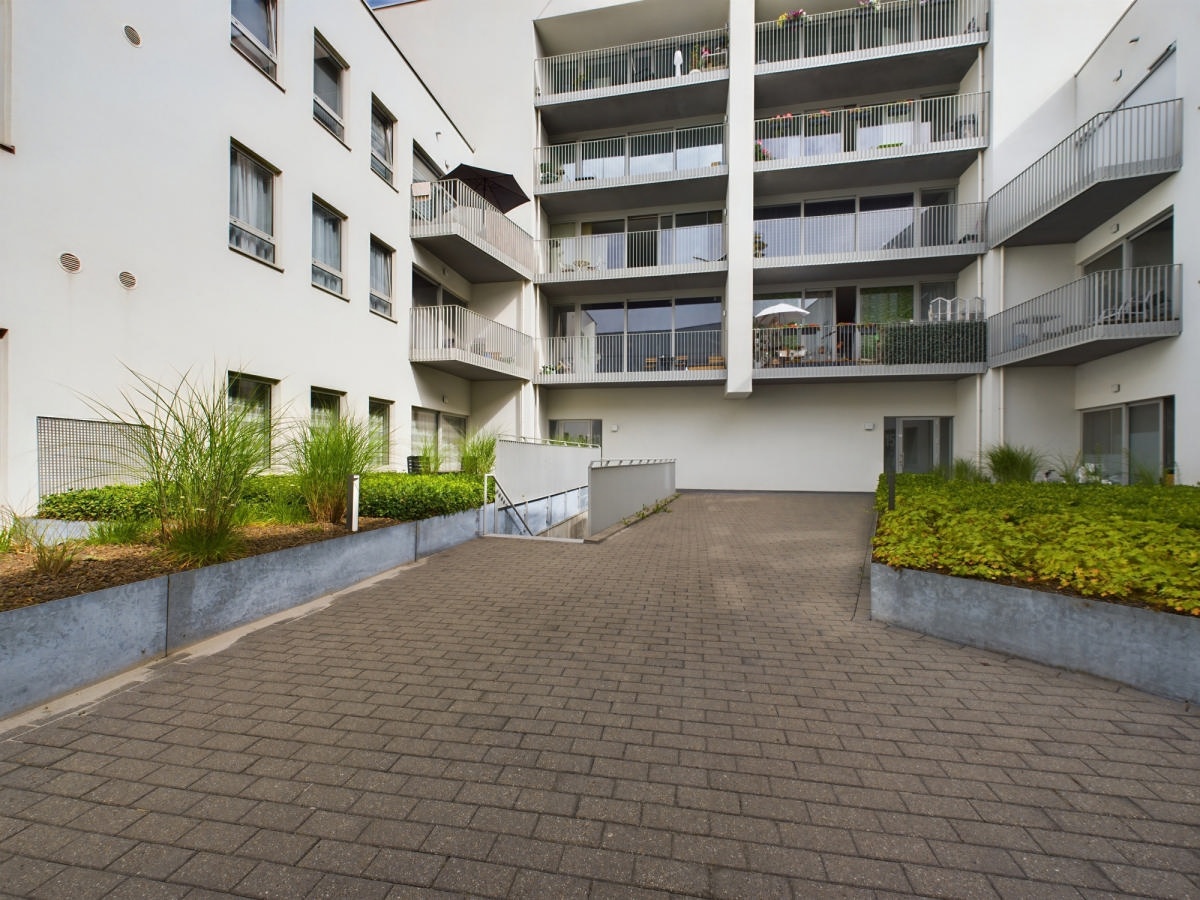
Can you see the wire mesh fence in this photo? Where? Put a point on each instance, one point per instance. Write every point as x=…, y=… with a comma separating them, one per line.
x=84, y=453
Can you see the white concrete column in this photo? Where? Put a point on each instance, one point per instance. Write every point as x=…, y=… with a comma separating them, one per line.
x=739, y=288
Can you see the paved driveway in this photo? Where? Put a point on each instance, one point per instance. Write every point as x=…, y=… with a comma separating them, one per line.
x=698, y=706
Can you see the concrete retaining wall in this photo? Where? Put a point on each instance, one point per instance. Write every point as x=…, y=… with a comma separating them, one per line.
x=53, y=648
x=622, y=487
x=1153, y=651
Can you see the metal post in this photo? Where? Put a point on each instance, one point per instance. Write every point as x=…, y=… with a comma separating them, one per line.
x=352, y=503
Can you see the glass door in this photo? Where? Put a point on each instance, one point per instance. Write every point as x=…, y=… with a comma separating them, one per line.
x=918, y=445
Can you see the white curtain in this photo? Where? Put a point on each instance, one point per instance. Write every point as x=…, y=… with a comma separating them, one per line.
x=327, y=248
x=381, y=137
x=251, y=203
x=381, y=270
x=259, y=19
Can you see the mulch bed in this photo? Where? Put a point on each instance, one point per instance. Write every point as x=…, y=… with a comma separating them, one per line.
x=96, y=567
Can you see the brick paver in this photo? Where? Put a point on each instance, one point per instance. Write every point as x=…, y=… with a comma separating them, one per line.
x=699, y=706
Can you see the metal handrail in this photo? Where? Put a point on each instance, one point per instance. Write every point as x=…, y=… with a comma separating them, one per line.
x=895, y=128
x=694, y=248
x=511, y=507
x=640, y=355
x=629, y=158
x=454, y=332
x=1120, y=143
x=869, y=30
x=645, y=64
x=442, y=207
x=955, y=342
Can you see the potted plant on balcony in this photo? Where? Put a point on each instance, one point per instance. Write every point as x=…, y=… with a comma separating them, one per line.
x=759, y=244
x=795, y=18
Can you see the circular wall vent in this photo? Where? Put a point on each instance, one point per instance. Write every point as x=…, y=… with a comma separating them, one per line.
x=70, y=263
x=128, y=280
x=131, y=35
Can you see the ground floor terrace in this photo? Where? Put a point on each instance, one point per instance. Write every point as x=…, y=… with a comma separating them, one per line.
x=699, y=706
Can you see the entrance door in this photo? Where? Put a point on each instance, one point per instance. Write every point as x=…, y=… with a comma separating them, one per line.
x=922, y=444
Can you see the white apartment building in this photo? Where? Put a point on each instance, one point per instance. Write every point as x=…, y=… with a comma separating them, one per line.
x=784, y=247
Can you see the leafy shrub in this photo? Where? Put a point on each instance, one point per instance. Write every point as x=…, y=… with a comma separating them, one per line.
x=1134, y=543
x=935, y=342
x=115, y=502
x=410, y=497
x=323, y=457
x=1008, y=462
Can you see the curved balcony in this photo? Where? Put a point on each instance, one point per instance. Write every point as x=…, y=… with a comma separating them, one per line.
x=928, y=140
x=1092, y=317
x=1096, y=171
x=908, y=241
x=469, y=234
x=912, y=351
x=848, y=52
x=456, y=340
x=622, y=85
x=693, y=256
x=656, y=169
x=647, y=357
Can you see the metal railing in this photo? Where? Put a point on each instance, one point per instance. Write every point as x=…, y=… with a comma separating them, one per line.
x=450, y=207
x=630, y=158
x=631, y=67
x=888, y=344
x=885, y=233
x=695, y=248
x=443, y=333
x=1122, y=143
x=634, y=356
x=897, y=128
x=870, y=30
x=1113, y=303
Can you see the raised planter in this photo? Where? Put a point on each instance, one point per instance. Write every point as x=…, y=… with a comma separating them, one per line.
x=1156, y=652
x=53, y=648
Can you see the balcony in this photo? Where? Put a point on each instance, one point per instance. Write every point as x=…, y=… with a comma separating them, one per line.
x=654, y=357
x=469, y=234
x=623, y=85
x=1098, y=170
x=658, y=169
x=1090, y=318
x=912, y=351
x=456, y=340
x=694, y=256
x=889, y=143
x=891, y=242
x=849, y=52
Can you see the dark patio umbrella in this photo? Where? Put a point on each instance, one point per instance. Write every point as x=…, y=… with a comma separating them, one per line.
x=498, y=188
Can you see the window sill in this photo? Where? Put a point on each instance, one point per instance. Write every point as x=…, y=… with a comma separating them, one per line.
x=257, y=68
x=390, y=184
x=257, y=259
x=8, y=148
x=325, y=290
x=383, y=316
x=331, y=133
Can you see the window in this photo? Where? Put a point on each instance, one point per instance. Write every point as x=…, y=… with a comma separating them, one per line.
x=254, y=395
x=1131, y=443
x=379, y=428
x=439, y=432
x=327, y=87
x=381, y=141
x=577, y=431
x=251, y=205
x=253, y=29
x=326, y=407
x=381, y=278
x=326, y=247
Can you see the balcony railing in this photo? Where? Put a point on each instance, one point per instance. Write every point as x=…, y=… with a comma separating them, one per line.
x=1123, y=143
x=637, y=356
x=871, y=30
x=630, y=159
x=1113, y=305
x=878, y=234
x=673, y=251
x=630, y=67
x=454, y=334
x=451, y=207
x=899, y=128
x=955, y=344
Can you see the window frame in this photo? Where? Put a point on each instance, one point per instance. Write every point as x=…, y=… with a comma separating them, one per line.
x=236, y=222
x=322, y=267
x=381, y=439
x=381, y=113
x=379, y=303
x=332, y=120
x=331, y=403
x=262, y=57
x=264, y=389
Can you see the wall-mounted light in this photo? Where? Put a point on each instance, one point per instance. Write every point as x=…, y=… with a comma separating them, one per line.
x=1116, y=227
x=869, y=426
x=1116, y=388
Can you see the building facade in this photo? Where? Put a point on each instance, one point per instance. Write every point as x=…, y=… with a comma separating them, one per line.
x=786, y=248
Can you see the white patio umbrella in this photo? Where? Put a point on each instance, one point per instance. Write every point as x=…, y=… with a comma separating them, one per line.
x=780, y=310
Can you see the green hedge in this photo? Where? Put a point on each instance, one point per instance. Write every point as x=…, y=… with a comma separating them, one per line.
x=115, y=502
x=389, y=495
x=1134, y=543
x=935, y=342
